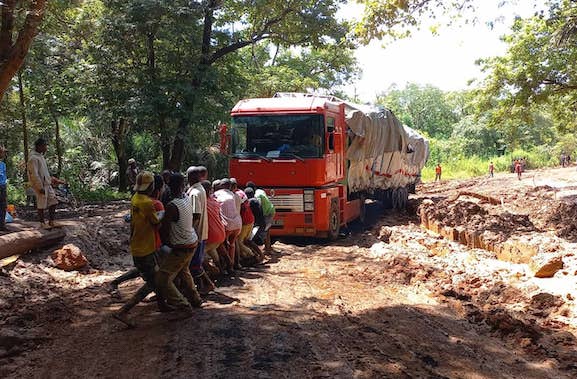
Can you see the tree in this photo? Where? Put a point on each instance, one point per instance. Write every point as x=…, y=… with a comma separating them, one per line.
x=14, y=41
x=424, y=108
x=294, y=23
x=534, y=73
x=396, y=17
x=308, y=69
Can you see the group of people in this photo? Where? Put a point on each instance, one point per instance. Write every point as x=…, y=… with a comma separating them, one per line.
x=518, y=166
x=183, y=228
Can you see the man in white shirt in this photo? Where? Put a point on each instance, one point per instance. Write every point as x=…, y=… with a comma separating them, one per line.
x=41, y=181
x=197, y=196
x=230, y=216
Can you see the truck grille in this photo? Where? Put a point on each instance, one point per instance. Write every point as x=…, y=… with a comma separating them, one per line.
x=288, y=203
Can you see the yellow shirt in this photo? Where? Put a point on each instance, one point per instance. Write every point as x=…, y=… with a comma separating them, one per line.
x=142, y=238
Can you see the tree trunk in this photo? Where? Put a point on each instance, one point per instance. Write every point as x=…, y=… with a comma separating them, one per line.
x=20, y=242
x=12, y=54
x=151, y=62
x=204, y=63
x=58, y=142
x=24, y=123
x=120, y=129
x=178, y=146
x=165, y=143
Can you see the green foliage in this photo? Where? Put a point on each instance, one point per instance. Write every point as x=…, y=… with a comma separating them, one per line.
x=533, y=77
x=457, y=166
x=98, y=195
x=424, y=108
x=567, y=144
x=16, y=194
x=472, y=137
x=132, y=78
x=302, y=70
x=396, y=18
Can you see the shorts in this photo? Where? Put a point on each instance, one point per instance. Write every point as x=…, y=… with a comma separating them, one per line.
x=47, y=199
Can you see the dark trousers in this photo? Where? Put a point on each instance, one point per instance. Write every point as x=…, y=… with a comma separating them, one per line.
x=148, y=266
x=129, y=275
x=3, y=205
x=196, y=263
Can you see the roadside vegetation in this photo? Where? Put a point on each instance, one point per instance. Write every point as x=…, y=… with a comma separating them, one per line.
x=105, y=81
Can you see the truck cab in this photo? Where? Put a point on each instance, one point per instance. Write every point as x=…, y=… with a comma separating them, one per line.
x=293, y=146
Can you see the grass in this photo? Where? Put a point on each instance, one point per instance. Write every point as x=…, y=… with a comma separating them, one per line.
x=463, y=168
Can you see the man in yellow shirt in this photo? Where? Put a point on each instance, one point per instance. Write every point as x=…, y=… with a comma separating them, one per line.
x=144, y=219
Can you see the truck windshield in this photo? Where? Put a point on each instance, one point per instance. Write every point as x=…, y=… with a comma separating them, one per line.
x=277, y=136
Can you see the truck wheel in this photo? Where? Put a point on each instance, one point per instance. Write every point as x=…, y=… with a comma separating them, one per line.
x=363, y=213
x=334, y=220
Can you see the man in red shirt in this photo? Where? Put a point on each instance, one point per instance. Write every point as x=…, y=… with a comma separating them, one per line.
x=438, y=171
x=216, y=231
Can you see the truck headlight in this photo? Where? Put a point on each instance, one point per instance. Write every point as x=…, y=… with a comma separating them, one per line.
x=309, y=200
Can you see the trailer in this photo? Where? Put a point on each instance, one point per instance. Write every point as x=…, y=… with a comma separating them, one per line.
x=319, y=158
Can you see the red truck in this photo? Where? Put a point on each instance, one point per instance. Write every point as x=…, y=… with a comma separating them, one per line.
x=305, y=150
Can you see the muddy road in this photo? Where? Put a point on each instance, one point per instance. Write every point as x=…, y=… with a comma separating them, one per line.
x=391, y=300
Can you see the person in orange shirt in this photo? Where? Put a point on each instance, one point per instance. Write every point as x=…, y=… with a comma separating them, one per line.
x=518, y=169
x=438, y=171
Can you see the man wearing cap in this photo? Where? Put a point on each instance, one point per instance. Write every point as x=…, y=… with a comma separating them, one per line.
x=3, y=181
x=131, y=173
x=197, y=196
x=144, y=223
x=41, y=181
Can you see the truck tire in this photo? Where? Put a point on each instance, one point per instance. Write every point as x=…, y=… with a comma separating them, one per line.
x=334, y=220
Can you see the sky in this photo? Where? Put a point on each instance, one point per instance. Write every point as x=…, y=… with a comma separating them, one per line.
x=446, y=60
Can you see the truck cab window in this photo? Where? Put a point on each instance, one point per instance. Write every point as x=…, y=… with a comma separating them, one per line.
x=290, y=136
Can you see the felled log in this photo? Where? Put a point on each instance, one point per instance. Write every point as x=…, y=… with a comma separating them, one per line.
x=488, y=199
x=20, y=242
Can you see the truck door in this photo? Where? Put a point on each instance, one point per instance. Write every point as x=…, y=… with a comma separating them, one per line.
x=334, y=149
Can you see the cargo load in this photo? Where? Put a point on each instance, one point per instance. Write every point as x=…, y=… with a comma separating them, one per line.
x=383, y=153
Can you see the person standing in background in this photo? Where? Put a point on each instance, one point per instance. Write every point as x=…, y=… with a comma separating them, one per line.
x=131, y=173
x=438, y=172
x=3, y=182
x=41, y=181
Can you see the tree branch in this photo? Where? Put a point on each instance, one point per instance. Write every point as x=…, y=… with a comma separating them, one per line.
x=7, y=27
x=263, y=33
x=17, y=52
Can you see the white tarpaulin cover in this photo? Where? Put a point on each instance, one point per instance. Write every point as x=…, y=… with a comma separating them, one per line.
x=383, y=154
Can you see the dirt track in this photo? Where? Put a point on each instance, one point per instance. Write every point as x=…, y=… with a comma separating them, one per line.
x=390, y=301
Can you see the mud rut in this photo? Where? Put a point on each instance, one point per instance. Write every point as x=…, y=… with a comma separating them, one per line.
x=312, y=311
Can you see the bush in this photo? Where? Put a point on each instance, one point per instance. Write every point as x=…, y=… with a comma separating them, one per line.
x=98, y=195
